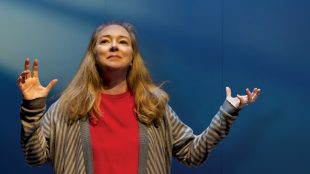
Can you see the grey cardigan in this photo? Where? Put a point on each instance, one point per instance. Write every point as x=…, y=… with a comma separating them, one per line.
x=48, y=137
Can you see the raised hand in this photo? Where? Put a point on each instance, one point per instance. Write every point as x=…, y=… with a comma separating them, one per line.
x=242, y=100
x=30, y=85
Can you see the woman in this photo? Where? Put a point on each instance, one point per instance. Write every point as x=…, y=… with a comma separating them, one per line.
x=112, y=118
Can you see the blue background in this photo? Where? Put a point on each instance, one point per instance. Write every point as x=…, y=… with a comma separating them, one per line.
x=198, y=47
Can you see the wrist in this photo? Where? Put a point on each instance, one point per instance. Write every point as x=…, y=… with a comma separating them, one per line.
x=34, y=103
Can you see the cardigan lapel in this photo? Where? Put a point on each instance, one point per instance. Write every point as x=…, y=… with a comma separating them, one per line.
x=87, y=146
x=143, y=148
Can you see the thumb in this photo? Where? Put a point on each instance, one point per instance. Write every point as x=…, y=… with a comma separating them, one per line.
x=51, y=84
x=228, y=92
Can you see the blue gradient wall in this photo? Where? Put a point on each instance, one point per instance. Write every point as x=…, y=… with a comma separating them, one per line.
x=199, y=47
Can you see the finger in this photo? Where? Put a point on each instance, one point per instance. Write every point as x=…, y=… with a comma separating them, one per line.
x=24, y=73
x=19, y=80
x=249, y=94
x=27, y=66
x=228, y=92
x=257, y=93
x=22, y=79
x=23, y=76
x=35, y=68
x=254, y=94
x=51, y=84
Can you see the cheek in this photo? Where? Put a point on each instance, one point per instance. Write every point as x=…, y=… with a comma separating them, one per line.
x=99, y=50
x=129, y=52
x=99, y=54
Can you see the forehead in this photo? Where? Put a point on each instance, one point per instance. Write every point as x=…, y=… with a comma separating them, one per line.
x=113, y=31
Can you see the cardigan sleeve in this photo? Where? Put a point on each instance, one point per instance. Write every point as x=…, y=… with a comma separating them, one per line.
x=192, y=149
x=35, y=131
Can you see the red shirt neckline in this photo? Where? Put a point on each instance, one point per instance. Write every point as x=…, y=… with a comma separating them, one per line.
x=117, y=96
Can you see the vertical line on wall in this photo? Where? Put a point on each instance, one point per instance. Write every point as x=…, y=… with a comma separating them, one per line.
x=222, y=46
x=222, y=69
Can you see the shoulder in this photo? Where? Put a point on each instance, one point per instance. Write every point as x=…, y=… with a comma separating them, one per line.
x=56, y=113
x=170, y=115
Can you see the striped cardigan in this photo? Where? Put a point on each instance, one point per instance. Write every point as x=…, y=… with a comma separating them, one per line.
x=49, y=137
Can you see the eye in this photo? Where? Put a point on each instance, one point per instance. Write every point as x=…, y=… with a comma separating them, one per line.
x=103, y=41
x=123, y=42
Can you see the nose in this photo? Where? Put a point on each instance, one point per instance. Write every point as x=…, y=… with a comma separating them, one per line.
x=114, y=47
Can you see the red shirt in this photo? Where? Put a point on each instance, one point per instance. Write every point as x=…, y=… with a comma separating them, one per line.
x=115, y=138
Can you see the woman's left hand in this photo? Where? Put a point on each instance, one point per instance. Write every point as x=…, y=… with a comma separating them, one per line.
x=242, y=100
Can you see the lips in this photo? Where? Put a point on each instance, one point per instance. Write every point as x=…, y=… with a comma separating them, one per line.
x=114, y=57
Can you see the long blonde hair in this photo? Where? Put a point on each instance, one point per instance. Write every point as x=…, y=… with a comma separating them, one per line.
x=81, y=97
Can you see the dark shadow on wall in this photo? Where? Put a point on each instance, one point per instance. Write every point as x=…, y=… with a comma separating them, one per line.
x=12, y=160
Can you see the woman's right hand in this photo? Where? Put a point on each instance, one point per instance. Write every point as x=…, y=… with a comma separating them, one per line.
x=29, y=83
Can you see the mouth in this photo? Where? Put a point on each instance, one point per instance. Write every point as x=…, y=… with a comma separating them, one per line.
x=114, y=57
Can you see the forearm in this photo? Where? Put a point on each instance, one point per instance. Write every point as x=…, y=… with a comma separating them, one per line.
x=220, y=125
x=33, y=140
x=193, y=150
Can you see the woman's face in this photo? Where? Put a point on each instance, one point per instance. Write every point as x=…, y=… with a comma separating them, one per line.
x=113, y=48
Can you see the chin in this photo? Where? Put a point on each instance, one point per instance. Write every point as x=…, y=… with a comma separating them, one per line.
x=116, y=67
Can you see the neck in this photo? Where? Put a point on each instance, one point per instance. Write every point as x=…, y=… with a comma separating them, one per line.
x=114, y=82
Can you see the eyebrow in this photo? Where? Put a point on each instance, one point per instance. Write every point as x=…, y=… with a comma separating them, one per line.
x=121, y=36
